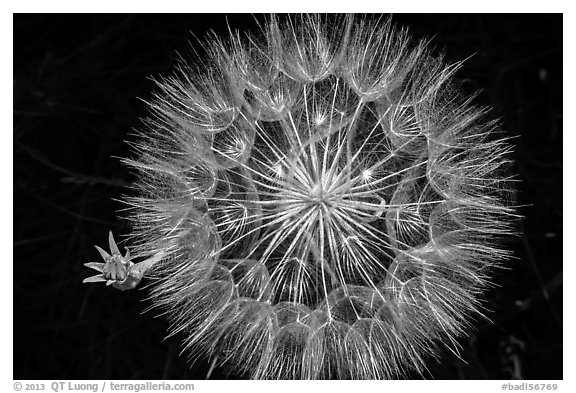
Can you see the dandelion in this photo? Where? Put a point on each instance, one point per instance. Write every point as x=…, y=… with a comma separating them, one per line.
x=318, y=202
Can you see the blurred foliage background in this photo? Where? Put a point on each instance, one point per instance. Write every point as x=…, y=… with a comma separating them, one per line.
x=79, y=82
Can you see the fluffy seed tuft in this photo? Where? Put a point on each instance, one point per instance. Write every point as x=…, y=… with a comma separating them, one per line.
x=324, y=201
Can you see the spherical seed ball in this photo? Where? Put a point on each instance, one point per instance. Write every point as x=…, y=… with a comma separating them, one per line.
x=328, y=204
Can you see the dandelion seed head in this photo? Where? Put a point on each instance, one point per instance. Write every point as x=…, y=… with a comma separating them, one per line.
x=326, y=203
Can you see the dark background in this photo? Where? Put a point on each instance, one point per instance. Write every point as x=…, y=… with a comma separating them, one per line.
x=78, y=81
